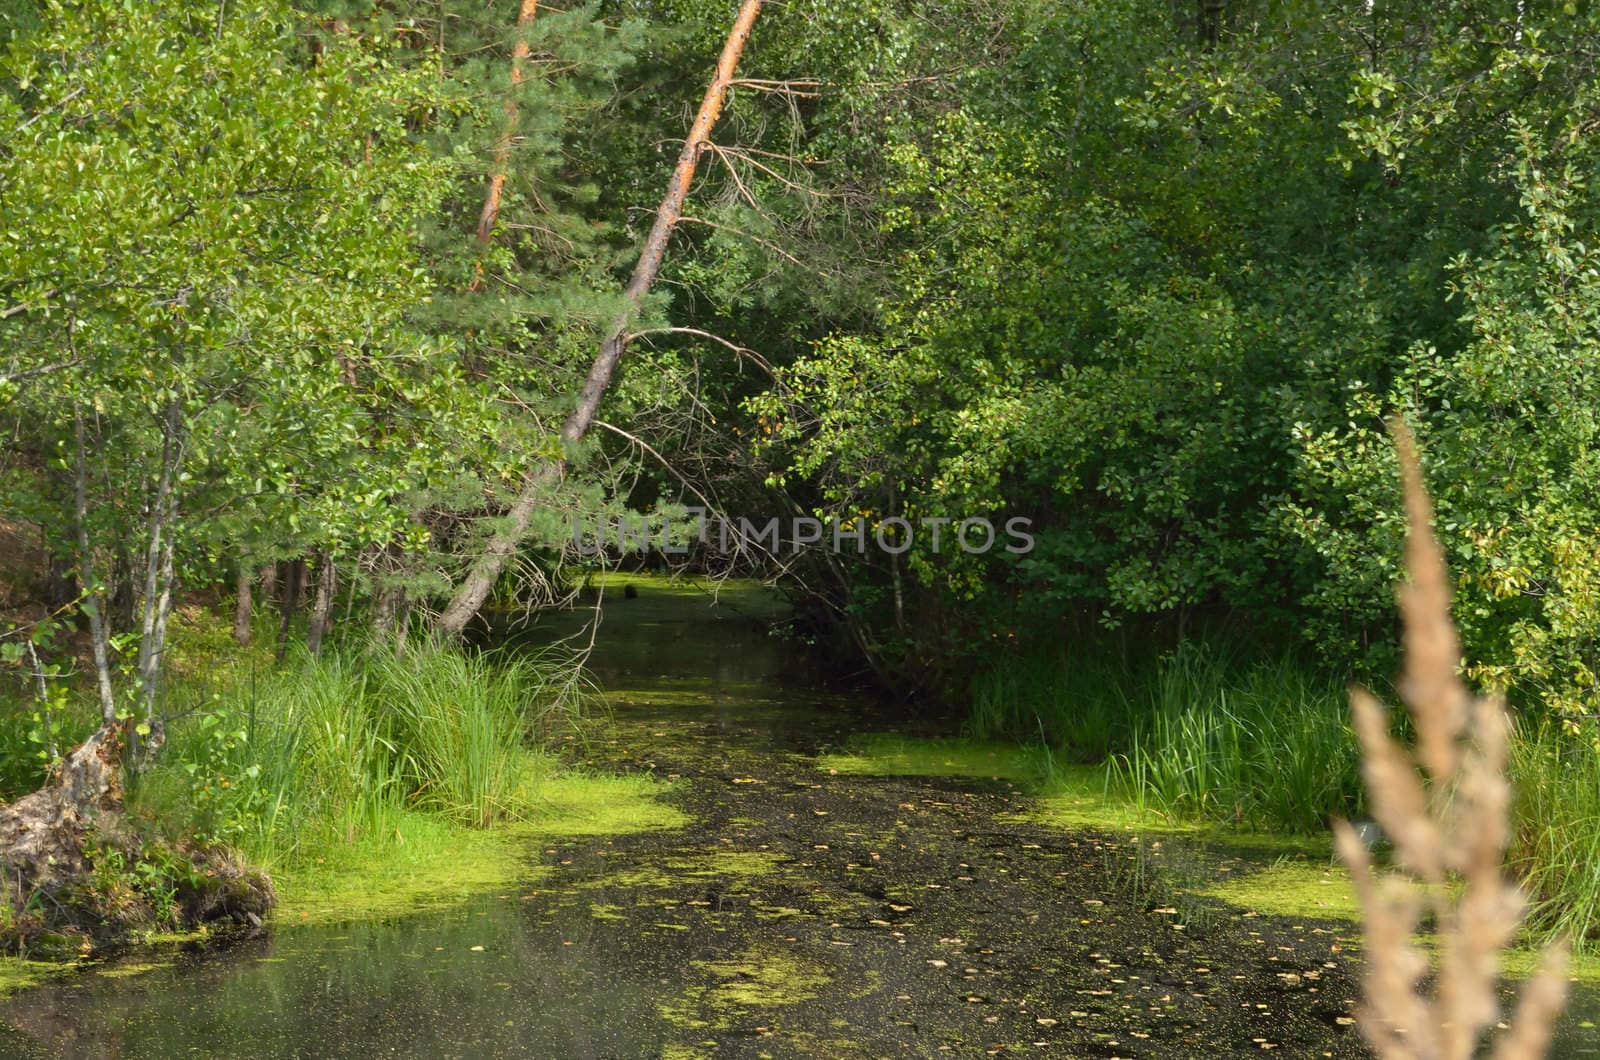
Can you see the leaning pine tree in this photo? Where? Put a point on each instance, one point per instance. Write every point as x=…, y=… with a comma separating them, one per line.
x=503, y=544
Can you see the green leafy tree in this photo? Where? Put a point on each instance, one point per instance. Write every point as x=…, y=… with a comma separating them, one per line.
x=209, y=256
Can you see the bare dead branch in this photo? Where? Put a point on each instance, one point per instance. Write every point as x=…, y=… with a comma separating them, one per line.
x=784, y=254
x=742, y=351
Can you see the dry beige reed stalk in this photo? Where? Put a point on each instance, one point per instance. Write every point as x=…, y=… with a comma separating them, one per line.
x=1446, y=809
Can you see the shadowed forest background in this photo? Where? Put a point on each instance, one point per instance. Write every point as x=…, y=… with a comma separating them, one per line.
x=297, y=301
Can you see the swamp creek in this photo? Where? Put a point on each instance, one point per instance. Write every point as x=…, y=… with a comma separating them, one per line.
x=801, y=911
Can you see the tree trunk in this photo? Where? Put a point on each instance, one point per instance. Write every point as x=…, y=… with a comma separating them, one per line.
x=322, y=609
x=475, y=588
x=60, y=580
x=402, y=625
x=386, y=610
x=383, y=608
x=242, y=606
x=123, y=599
x=292, y=577
x=95, y=604
x=502, y=148
x=157, y=587
x=1209, y=21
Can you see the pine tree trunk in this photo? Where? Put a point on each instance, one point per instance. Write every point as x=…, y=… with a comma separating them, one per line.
x=387, y=609
x=242, y=606
x=402, y=625
x=290, y=605
x=322, y=608
x=502, y=148
x=475, y=588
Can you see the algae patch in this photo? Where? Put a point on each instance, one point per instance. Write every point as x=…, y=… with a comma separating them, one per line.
x=673, y=872
x=756, y=980
x=19, y=973
x=882, y=754
x=1077, y=796
x=1292, y=889
x=1521, y=963
x=131, y=969
x=573, y=804
x=429, y=862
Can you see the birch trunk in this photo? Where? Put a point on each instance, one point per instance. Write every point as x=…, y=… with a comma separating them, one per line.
x=322, y=608
x=95, y=604
x=157, y=598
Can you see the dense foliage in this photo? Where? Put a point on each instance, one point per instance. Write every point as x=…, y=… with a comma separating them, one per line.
x=307, y=289
x=1158, y=287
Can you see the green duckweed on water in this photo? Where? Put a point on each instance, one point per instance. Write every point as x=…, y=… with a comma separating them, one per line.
x=1080, y=796
x=759, y=979
x=1264, y=874
x=1292, y=888
x=1065, y=795
x=19, y=973
x=883, y=754
x=730, y=866
x=430, y=861
x=664, y=601
x=130, y=969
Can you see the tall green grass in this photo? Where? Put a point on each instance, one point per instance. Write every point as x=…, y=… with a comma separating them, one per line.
x=1266, y=744
x=1195, y=733
x=334, y=751
x=1192, y=732
x=458, y=725
x=1053, y=696
x=324, y=761
x=1555, y=849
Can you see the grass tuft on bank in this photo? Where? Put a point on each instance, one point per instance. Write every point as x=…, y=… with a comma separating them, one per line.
x=1196, y=738
x=371, y=785
x=1192, y=734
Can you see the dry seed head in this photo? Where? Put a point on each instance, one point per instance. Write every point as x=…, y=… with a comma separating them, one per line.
x=1398, y=801
x=1450, y=838
x=1428, y=683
